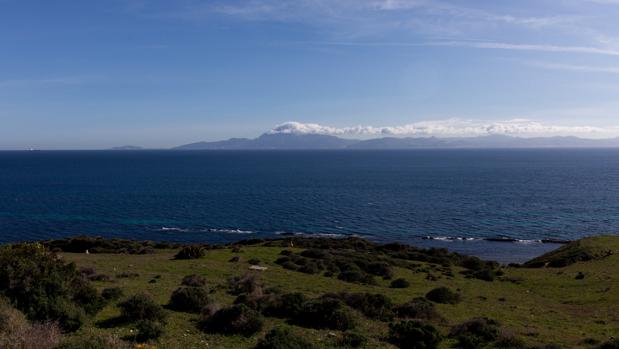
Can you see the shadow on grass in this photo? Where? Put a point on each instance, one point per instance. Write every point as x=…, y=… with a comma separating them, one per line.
x=112, y=322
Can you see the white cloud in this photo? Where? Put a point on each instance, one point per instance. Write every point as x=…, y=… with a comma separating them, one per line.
x=452, y=128
x=530, y=47
x=576, y=68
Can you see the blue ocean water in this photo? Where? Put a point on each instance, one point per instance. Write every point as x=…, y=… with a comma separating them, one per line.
x=222, y=196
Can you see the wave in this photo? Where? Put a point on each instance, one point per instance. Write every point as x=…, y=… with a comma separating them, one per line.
x=207, y=230
x=496, y=239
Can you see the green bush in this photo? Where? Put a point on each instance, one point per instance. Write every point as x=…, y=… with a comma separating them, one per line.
x=112, y=293
x=248, y=283
x=141, y=307
x=194, y=281
x=414, y=334
x=612, y=344
x=400, y=283
x=254, y=261
x=237, y=319
x=380, y=269
x=287, y=305
x=484, y=274
x=282, y=338
x=443, y=295
x=189, y=299
x=374, y=306
x=476, y=333
x=44, y=287
x=356, y=276
x=148, y=330
x=352, y=340
x=190, y=252
x=92, y=341
x=17, y=333
x=419, y=308
x=325, y=313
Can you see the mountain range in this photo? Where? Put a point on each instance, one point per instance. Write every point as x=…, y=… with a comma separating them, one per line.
x=292, y=141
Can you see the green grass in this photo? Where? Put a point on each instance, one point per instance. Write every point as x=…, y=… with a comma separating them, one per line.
x=544, y=305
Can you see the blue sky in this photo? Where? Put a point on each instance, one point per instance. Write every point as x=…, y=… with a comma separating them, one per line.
x=92, y=74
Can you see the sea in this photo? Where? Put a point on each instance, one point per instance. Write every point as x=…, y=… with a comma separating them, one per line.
x=506, y=205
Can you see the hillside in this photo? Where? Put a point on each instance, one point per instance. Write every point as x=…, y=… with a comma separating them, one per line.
x=568, y=307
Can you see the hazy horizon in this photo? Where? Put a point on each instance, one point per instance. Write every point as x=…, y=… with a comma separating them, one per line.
x=159, y=74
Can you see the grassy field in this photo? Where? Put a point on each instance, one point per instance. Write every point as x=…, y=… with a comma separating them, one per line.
x=538, y=305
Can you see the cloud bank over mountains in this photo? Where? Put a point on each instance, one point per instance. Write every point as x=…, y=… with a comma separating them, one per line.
x=451, y=128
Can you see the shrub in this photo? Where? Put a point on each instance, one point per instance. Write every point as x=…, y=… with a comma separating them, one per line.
x=475, y=333
x=87, y=297
x=380, y=269
x=148, y=330
x=374, y=306
x=189, y=299
x=356, y=276
x=612, y=344
x=112, y=293
x=16, y=332
x=190, y=252
x=286, y=305
x=311, y=267
x=235, y=259
x=282, y=338
x=443, y=295
x=127, y=275
x=141, y=307
x=509, y=342
x=254, y=261
x=44, y=287
x=315, y=253
x=248, y=283
x=237, y=319
x=352, y=340
x=194, y=281
x=400, y=283
x=326, y=313
x=484, y=274
x=92, y=341
x=412, y=334
x=418, y=308
x=209, y=310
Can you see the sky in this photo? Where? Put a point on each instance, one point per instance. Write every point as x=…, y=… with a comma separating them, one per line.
x=87, y=74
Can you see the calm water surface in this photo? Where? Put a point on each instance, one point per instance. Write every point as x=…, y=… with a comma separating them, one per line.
x=381, y=195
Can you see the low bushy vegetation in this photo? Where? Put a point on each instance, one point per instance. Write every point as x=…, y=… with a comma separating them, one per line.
x=81, y=244
x=611, y=344
x=236, y=319
x=191, y=252
x=248, y=283
x=325, y=313
x=148, y=330
x=419, y=308
x=189, y=299
x=373, y=305
x=352, y=340
x=413, y=334
x=288, y=305
x=141, y=307
x=194, y=280
x=476, y=333
x=443, y=295
x=94, y=341
x=112, y=293
x=283, y=338
x=46, y=288
x=400, y=283
x=16, y=332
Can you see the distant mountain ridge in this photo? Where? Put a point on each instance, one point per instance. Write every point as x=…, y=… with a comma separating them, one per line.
x=291, y=141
